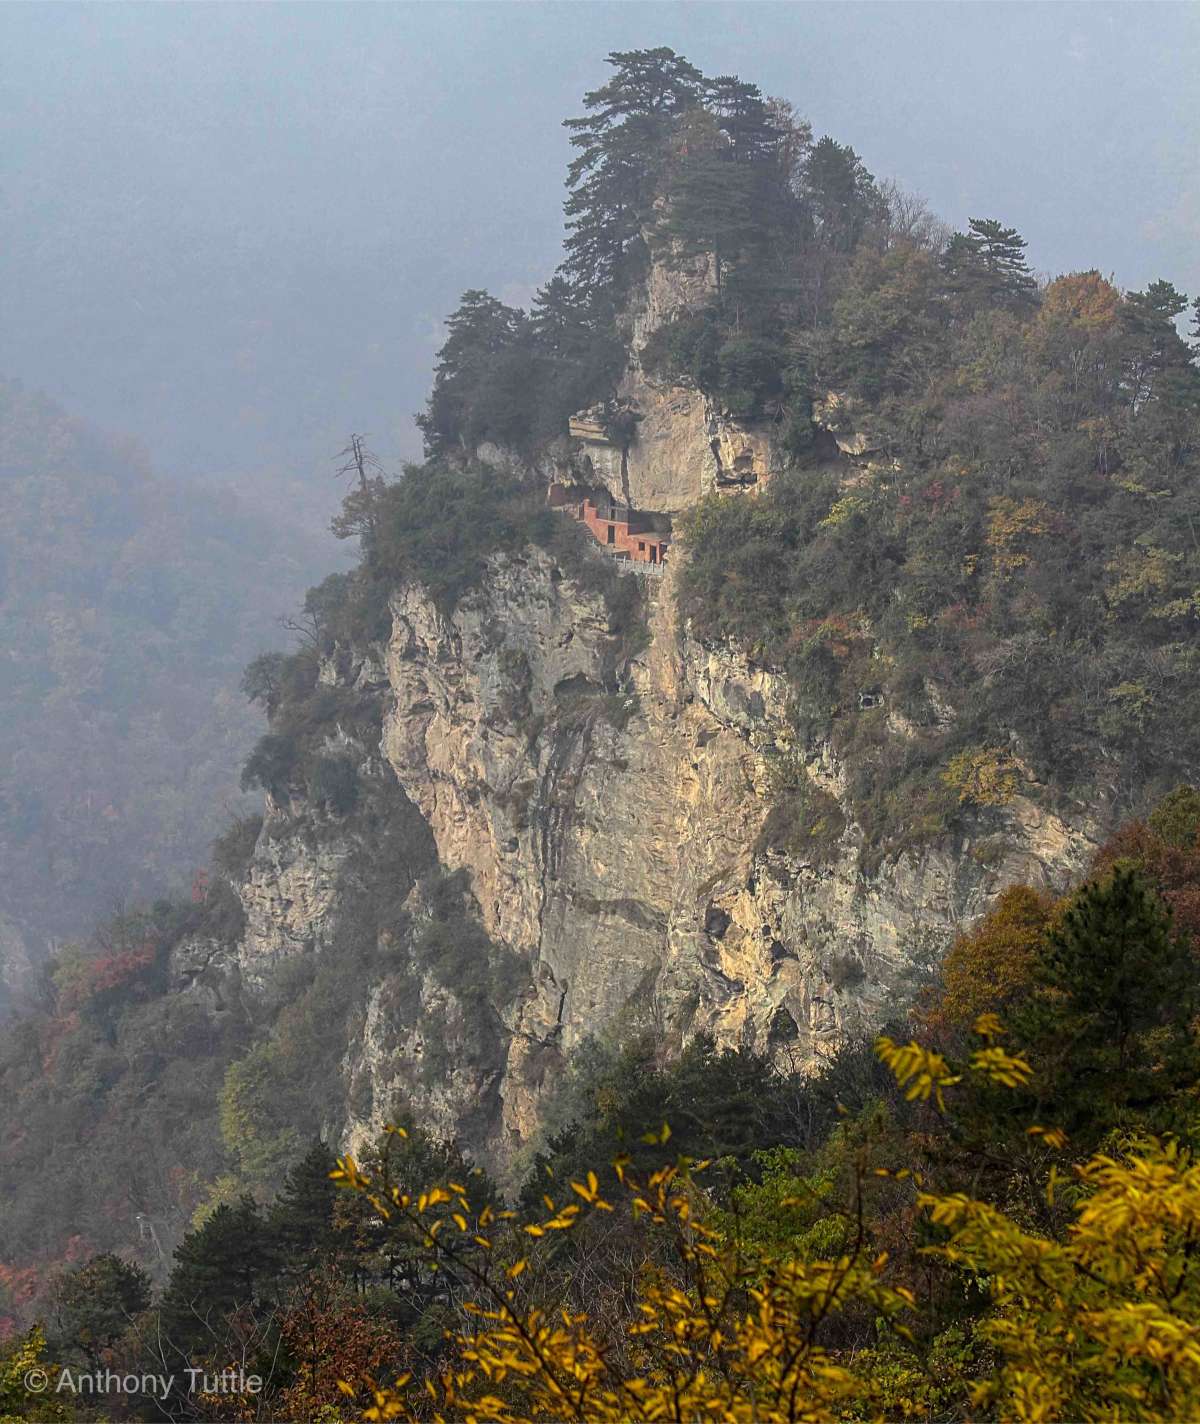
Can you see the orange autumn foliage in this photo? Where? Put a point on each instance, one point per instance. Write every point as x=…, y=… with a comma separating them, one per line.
x=1174, y=869
x=991, y=964
x=330, y=1336
x=1082, y=297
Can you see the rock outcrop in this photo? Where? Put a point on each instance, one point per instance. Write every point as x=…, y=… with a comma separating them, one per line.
x=682, y=445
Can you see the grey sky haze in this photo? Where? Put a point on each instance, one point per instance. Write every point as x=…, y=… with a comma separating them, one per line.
x=233, y=230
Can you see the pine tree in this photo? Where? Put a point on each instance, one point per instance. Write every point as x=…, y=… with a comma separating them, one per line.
x=1159, y=378
x=986, y=267
x=562, y=320
x=712, y=201
x=302, y=1220
x=745, y=118
x=840, y=196
x=95, y=1304
x=578, y=353
x=222, y=1266
x=620, y=147
x=1116, y=1000
x=477, y=388
x=1149, y=318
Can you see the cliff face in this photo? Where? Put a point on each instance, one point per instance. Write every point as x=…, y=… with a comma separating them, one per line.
x=606, y=808
x=616, y=849
x=685, y=446
x=606, y=801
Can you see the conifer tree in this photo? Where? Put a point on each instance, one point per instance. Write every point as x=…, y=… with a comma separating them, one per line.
x=471, y=397
x=620, y=148
x=579, y=355
x=301, y=1220
x=562, y=320
x=745, y=118
x=220, y=1267
x=712, y=200
x=95, y=1303
x=986, y=267
x=1154, y=346
x=1117, y=996
x=840, y=196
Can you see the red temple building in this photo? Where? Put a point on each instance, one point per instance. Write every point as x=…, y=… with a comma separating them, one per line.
x=623, y=531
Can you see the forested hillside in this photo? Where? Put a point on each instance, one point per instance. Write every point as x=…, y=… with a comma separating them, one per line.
x=987, y=1213
x=128, y=605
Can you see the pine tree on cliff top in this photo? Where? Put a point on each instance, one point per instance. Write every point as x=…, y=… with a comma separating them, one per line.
x=840, y=196
x=986, y=267
x=620, y=147
x=481, y=334
x=713, y=207
x=745, y=118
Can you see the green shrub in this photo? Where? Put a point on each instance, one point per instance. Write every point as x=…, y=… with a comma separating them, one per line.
x=224, y=915
x=453, y=946
x=1176, y=818
x=272, y=764
x=349, y=609
x=804, y=821
x=233, y=849
x=439, y=525
x=333, y=783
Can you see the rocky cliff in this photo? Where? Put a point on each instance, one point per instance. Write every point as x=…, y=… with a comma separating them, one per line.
x=607, y=800
x=619, y=849
x=685, y=445
x=608, y=806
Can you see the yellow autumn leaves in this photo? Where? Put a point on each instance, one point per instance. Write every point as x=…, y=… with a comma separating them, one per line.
x=1097, y=1322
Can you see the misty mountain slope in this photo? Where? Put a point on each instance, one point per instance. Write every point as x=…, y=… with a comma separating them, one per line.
x=926, y=631
x=128, y=605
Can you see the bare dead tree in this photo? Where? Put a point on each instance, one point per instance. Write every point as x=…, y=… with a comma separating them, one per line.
x=357, y=514
x=356, y=459
x=304, y=626
x=909, y=219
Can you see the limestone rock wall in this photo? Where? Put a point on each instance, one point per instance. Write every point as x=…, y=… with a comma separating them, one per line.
x=608, y=815
x=606, y=809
